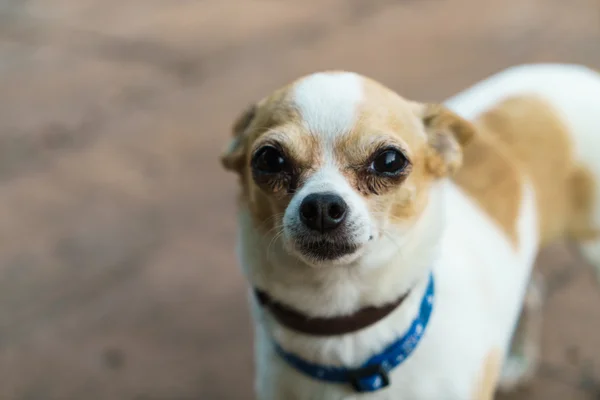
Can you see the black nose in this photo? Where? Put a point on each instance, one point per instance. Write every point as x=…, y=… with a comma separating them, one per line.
x=323, y=212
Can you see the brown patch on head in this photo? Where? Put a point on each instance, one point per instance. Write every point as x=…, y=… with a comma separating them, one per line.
x=485, y=386
x=272, y=122
x=429, y=137
x=385, y=123
x=269, y=115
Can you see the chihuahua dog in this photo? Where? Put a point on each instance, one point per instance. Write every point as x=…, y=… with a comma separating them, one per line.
x=390, y=244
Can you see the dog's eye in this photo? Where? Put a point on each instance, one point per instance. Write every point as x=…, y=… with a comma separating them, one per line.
x=269, y=160
x=390, y=162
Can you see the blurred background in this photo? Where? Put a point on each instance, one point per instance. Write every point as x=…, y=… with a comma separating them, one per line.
x=118, y=279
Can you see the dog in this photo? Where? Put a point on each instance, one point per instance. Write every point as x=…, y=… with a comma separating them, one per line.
x=389, y=244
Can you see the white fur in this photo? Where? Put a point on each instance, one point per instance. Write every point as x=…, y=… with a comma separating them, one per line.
x=473, y=253
x=573, y=90
x=329, y=179
x=480, y=277
x=327, y=102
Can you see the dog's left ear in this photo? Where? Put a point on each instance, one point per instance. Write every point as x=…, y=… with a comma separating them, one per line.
x=234, y=157
x=447, y=135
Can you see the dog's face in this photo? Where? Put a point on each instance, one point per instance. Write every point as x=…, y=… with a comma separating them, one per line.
x=334, y=163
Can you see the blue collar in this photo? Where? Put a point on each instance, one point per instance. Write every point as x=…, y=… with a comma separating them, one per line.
x=374, y=374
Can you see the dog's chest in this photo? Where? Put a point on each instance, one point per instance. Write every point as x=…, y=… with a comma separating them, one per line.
x=480, y=281
x=445, y=365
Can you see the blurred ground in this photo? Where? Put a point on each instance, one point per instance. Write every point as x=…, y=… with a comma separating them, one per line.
x=117, y=273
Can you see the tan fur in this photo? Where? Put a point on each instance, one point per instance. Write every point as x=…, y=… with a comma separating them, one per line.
x=270, y=120
x=537, y=138
x=485, y=388
x=430, y=135
x=492, y=178
x=524, y=138
x=390, y=120
x=582, y=187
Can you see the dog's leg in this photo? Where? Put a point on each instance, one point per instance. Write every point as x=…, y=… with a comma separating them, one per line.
x=584, y=221
x=522, y=361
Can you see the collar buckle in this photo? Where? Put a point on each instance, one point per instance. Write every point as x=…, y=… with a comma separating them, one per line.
x=370, y=378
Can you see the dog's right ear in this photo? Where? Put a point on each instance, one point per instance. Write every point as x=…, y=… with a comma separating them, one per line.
x=234, y=157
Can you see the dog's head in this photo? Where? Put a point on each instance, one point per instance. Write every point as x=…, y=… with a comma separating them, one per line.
x=335, y=162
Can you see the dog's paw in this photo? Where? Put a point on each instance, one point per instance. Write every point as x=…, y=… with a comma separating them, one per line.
x=522, y=361
x=518, y=371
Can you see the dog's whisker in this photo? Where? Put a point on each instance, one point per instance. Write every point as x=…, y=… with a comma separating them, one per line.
x=273, y=240
x=274, y=217
x=392, y=239
x=275, y=229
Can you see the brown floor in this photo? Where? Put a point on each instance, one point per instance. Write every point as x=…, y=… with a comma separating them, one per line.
x=118, y=279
